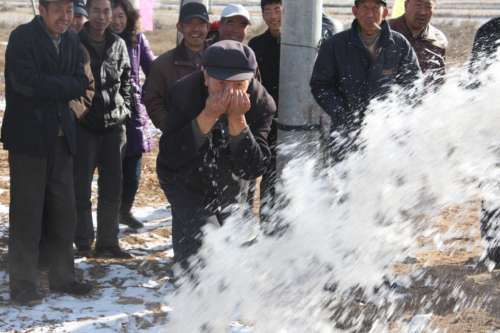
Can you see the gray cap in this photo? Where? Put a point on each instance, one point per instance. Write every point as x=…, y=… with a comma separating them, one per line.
x=229, y=60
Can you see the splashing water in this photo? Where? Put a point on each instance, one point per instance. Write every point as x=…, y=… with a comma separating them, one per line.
x=350, y=230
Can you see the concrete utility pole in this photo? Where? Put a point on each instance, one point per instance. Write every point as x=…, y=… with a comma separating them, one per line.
x=182, y=3
x=298, y=121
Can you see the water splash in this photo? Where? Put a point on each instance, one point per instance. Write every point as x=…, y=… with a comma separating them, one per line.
x=349, y=229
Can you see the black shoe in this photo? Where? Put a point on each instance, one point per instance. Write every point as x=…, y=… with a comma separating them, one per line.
x=83, y=252
x=26, y=295
x=75, y=288
x=127, y=218
x=116, y=252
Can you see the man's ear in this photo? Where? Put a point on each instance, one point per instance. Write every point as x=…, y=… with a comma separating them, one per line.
x=206, y=76
x=219, y=25
x=386, y=12
x=407, y=2
x=354, y=11
x=42, y=10
x=179, y=27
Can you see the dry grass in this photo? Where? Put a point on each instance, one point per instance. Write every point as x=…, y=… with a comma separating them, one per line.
x=460, y=37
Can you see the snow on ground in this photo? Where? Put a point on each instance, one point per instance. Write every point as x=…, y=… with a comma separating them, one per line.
x=128, y=295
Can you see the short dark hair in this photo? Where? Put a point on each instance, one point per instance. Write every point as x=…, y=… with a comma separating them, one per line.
x=89, y=5
x=264, y=3
x=356, y=3
x=44, y=4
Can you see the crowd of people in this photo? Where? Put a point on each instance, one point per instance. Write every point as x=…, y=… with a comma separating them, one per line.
x=75, y=103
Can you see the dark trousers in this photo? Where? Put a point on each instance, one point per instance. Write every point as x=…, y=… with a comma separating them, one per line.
x=35, y=180
x=104, y=152
x=131, y=169
x=490, y=231
x=188, y=217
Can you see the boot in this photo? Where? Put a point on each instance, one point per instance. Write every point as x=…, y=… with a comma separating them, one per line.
x=127, y=218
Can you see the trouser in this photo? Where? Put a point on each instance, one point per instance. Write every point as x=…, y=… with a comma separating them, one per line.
x=490, y=231
x=106, y=153
x=268, y=182
x=131, y=169
x=35, y=180
x=188, y=217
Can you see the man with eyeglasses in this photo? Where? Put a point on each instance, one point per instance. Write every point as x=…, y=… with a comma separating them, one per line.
x=214, y=142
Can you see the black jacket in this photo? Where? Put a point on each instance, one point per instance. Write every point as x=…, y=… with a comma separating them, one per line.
x=346, y=77
x=39, y=84
x=111, y=104
x=213, y=175
x=267, y=51
x=485, y=46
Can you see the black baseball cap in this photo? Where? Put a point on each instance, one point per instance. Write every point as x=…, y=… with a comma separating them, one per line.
x=229, y=60
x=191, y=10
x=80, y=8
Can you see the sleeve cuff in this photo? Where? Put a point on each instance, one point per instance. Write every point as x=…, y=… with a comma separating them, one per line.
x=235, y=140
x=199, y=138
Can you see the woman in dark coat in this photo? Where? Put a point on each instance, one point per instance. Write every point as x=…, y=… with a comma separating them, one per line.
x=126, y=24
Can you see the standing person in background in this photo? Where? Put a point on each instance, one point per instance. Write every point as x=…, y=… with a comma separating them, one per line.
x=428, y=42
x=267, y=50
x=43, y=72
x=358, y=65
x=101, y=139
x=233, y=25
x=214, y=29
x=80, y=106
x=330, y=26
x=126, y=24
x=179, y=62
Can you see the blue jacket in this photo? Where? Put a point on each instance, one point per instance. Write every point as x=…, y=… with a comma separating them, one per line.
x=346, y=77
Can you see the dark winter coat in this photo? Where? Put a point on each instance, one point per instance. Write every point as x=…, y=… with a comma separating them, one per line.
x=39, y=84
x=213, y=175
x=111, y=105
x=165, y=71
x=346, y=77
x=485, y=46
x=430, y=48
x=139, y=139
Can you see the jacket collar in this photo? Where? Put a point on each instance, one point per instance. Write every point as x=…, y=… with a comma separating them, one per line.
x=180, y=55
x=385, y=35
x=83, y=35
x=45, y=39
x=429, y=35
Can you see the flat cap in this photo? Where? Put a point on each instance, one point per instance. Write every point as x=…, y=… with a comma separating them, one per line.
x=192, y=10
x=229, y=60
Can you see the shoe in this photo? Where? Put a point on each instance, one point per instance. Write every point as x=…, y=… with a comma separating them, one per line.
x=127, y=218
x=75, y=288
x=26, y=295
x=83, y=252
x=116, y=252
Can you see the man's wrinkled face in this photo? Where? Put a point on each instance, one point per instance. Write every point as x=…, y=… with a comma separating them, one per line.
x=418, y=13
x=272, y=17
x=368, y=13
x=215, y=85
x=77, y=23
x=195, y=31
x=100, y=14
x=57, y=17
x=234, y=28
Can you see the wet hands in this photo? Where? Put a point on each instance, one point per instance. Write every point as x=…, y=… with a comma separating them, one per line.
x=218, y=103
x=240, y=104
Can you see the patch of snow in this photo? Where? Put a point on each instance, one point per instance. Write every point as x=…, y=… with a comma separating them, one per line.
x=147, y=214
x=419, y=323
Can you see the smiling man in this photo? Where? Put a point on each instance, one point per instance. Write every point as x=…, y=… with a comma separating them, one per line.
x=358, y=65
x=178, y=62
x=43, y=73
x=233, y=24
x=101, y=138
x=214, y=142
x=428, y=42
